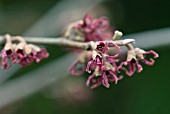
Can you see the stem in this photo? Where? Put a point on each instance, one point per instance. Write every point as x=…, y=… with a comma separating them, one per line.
x=129, y=46
x=20, y=39
x=8, y=43
x=61, y=41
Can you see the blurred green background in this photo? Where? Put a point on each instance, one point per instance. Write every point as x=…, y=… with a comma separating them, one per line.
x=144, y=93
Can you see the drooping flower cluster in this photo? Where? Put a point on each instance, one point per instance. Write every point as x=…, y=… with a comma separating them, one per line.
x=90, y=29
x=103, y=65
x=20, y=53
x=106, y=68
x=98, y=61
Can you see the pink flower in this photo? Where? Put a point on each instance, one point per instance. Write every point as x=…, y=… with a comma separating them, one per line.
x=25, y=59
x=134, y=56
x=141, y=55
x=39, y=55
x=95, y=29
x=104, y=66
x=132, y=63
x=5, y=58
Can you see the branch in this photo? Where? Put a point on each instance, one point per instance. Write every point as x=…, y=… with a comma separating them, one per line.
x=61, y=41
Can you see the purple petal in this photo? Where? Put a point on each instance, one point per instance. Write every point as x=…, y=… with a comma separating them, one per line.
x=41, y=55
x=105, y=80
x=151, y=62
x=73, y=70
x=26, y=61
x=114, y=76
x=140, y=68
x=102, y=23
x=153, y=53
x=89, y=79
x=132, y=69
x=99, y=82
x=88, y=66
x=120, y=66
x=4, y=60
x=105, y=48
x=98, y=60
x=112, y=44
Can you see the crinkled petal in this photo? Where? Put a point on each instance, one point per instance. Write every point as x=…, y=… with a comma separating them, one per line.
x=73, y=70
x=151, y=62
x=105, y=80
x=89, y=79
x=102, y=23
x=41, y=55
x=99, y=82
x=88, y=66
x=98, y=60
x=153, y=53
x=140, y=68
x=112, y=44
x=4, y=62
x=114, y=76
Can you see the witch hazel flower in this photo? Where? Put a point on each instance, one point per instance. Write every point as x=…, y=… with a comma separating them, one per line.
x=141, y=54
x=134, y=56
x=104, y=67
x=132, y=62
x=6, y=54
x=90, y=29
x=27, y=53
x=20, y=53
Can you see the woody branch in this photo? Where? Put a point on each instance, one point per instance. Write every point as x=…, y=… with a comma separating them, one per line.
x=61, y=41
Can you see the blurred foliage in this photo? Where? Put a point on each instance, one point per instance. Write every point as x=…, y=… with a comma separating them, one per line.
x=144, y=93
x=139, y=15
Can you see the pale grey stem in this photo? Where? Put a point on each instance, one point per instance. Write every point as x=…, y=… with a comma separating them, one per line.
x=69, y=43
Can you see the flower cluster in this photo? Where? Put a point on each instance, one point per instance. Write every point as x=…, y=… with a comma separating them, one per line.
x=20, y=53
x=90, y=29
x=106, y=68
x=103, y=66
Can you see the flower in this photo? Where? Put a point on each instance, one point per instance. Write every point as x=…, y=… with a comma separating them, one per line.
x=5, y=57
x=133, y=58
x=90, y=29
x=141, y=56
x=21, y=53
x=95, y=29
x=104, y=67
x=6, y=54
x=29, y=53
x=41, y=54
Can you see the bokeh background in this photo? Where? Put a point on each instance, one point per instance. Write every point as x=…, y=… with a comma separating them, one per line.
x=23, y=91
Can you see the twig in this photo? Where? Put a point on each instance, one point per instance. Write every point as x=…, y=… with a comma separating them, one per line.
x=66, y=42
